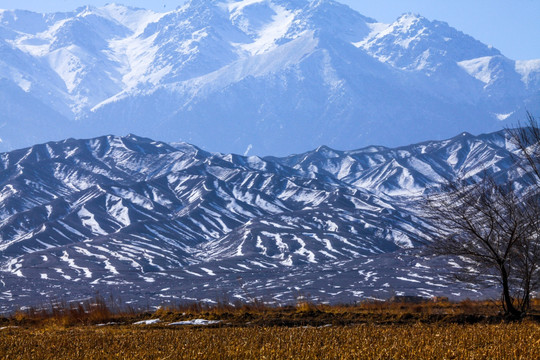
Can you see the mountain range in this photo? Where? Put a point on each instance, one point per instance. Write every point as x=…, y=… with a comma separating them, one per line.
x=264, y=77
x=154, y=222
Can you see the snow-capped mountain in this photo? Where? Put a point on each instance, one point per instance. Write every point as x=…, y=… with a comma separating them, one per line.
x=156, y=222
x=266, y=76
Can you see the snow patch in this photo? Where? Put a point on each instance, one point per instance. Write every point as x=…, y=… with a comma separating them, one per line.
x=248, y=149
x=478, y=68
x=147, y=322
x=502, y=117
x=526, y=68
x=88, y=220
x=208, y=271
x=266, y=37
x=71, y=262
x=195, y=322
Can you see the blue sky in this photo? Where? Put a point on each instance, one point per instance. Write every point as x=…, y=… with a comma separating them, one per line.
x=512, y=26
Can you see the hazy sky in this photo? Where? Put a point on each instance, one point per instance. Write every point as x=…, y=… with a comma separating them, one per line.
x=512, y=26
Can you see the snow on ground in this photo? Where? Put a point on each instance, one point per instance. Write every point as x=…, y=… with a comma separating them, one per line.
x=71, y=262
x=147, y=322
x=196, y=322
x=187, y=322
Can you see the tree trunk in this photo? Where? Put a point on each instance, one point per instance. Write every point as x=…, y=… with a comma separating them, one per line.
x=526, y=294
x=511, y=311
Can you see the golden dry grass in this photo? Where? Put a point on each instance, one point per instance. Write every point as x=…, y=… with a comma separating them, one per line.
x=413, y=341
x=97, y=311
x=373, y=330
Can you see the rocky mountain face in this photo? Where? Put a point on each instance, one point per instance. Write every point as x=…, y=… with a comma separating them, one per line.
x=253, y=76
x=154, y=222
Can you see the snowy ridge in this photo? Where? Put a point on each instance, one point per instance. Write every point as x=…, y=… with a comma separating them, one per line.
x=132, y=213
x=274, y=76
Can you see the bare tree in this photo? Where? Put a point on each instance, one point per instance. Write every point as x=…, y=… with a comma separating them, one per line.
x=495, y=225
x=527, y=138
x=491, y=225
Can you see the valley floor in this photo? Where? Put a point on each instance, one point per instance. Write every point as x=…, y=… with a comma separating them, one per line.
x=379, y=330
x=411, y=341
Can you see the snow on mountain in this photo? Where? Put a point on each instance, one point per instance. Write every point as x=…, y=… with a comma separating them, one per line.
x=530, y=72
x=275, y=76
x=408, y=170
x=413, y=42
x=137, y=216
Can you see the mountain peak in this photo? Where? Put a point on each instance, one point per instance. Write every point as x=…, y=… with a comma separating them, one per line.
x=83, y=10
x=410, y=18
x=414, y=42
x=282, y=75
x=326, y=151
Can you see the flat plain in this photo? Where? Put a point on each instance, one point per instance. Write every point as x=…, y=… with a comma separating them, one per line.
x=416, y=341
x=466, y=330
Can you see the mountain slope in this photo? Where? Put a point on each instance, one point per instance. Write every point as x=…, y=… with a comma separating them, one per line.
x=155, y=221
x=273, y=76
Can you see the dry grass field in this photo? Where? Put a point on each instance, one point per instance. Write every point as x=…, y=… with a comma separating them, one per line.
x=467, y=330
x=417, y=341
